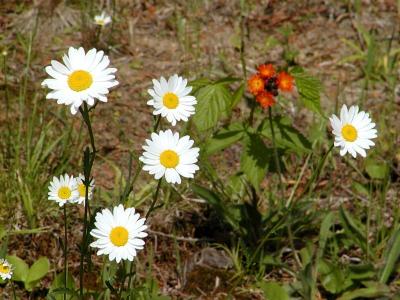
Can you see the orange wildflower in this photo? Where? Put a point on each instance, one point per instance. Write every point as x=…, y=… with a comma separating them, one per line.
x=285, y=82
x=265, y=99
x=256, y=84
x=266, y=70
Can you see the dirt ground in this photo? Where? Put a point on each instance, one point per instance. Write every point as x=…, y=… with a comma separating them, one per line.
x=149, y=39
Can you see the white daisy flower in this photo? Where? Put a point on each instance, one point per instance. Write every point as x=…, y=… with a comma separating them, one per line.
x=119, y=233
x=63, y=190
x=6, y=269
x=171, y=99
x=82, y=77
x=168, y=155
x=353, y=131
x=82, y=189
x=102, y=20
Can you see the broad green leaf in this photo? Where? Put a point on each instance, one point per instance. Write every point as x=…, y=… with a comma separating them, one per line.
x=373, y=291
x=333, y=278
x=21, y=268
x=353, y=228
x=286, y=136
x=38, y=270
x=273, y=291
x=309, y=89
x=255, y=159
x=391, y=256
x=224, y=138
x=376, y=170
x=361, y=271
x=213, y=101
x=57, y=286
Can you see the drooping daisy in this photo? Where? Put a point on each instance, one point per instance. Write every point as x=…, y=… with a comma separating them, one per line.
x=5, y=269
x=119, y=233
x=82, y=189
x=63, y=190
x=82, y=77
x=353, y=131
x=168, y=155
x=102, y=20
x=171, y=99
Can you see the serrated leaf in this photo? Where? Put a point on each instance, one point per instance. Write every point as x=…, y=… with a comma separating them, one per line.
x=20, y=268
x=255, y=159
x=273, y=291
x=286, y=136
x=38, y=270
x=309, y=89
x=224, y=138
x=213, y=101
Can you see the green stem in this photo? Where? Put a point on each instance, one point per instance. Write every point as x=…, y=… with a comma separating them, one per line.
x=153, y=203
x=65, y=251
x=275, y=149
x=13, y=289
x=88, y=161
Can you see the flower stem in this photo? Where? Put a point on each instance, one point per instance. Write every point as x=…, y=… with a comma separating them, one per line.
x=154, y=199
x=88, y=160
x=65, y=251
x=275, y=149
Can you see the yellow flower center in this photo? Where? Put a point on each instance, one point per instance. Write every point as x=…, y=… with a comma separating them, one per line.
x=82, y=190
x=80, y=80
x=170, y=100
x=119, y=236
x=64, y=193
x=4, y=269
x=349, y=133
x=100, y=22
x=169, y=159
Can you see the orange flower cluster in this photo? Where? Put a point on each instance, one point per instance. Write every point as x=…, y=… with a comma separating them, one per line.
x=266, y=84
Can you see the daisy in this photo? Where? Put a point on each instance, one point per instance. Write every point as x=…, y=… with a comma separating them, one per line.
x=119, y=233
x=82, y=77
x=168, y=155
x=63, y=190
x=82, y=189
x=102, y=20
x=6, y=269
x=353, y=131
x=171, y=99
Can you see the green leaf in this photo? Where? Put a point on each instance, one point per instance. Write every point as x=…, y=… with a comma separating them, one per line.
x=324, y=233
x=391, y=256
x=286, y=136
x=374, y=290
x=224, y=138
x=213, y=101
x=238, y=95
x=255, y=159
x=57, y=286
x=333, y=278
x=376, y=170
x=20, y=270
x=309, y=89
x=353, y=228
x=228, y=213
x=273, y=291
x=38, y=270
